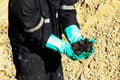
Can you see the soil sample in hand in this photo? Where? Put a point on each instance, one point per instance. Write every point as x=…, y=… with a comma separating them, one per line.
x=81, y=46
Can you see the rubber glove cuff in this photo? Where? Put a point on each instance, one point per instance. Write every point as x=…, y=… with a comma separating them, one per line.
x=73, y=34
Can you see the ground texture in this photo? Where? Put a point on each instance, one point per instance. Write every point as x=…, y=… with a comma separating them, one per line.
x=98, y=19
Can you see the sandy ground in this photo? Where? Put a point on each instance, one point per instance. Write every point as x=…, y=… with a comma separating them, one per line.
x=98, y=19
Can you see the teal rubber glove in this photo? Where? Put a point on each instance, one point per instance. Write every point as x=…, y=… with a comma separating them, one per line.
x=73, y=35
x=61, y=46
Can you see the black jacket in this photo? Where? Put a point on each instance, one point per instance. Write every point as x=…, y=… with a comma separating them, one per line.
x=32, y=21
x=30, y=24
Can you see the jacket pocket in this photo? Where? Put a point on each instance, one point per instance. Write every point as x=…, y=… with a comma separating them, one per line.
x=25, y=65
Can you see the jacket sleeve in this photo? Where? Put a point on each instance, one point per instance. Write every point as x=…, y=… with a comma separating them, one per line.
x=68, y=13
x=29, y=15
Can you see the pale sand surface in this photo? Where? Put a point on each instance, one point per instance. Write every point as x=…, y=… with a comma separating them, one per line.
x=99, y=19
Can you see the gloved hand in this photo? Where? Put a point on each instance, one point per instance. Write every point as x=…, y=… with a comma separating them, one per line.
x=73, y=35
x=61, y=46
x=84, y=54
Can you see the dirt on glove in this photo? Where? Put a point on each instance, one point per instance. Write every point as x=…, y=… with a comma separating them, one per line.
x=83, y=45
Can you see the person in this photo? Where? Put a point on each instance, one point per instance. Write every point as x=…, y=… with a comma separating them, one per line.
x=35, y=28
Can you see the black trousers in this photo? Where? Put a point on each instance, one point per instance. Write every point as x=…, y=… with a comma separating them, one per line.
x=44, y=65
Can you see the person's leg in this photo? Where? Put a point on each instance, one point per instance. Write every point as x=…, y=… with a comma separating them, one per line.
x=58, y=75
x=53, y=65
x=29, y=66
x=45, y=65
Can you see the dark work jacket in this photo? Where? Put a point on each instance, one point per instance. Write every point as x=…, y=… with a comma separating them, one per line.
x=31, y=22
x=27, y=14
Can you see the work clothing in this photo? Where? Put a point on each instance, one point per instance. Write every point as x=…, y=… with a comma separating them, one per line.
x=31, y=22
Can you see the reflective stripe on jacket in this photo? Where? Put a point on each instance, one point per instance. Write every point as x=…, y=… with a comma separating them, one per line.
x=33, y=21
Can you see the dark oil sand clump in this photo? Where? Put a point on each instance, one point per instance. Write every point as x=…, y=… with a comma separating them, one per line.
x=83, y=45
